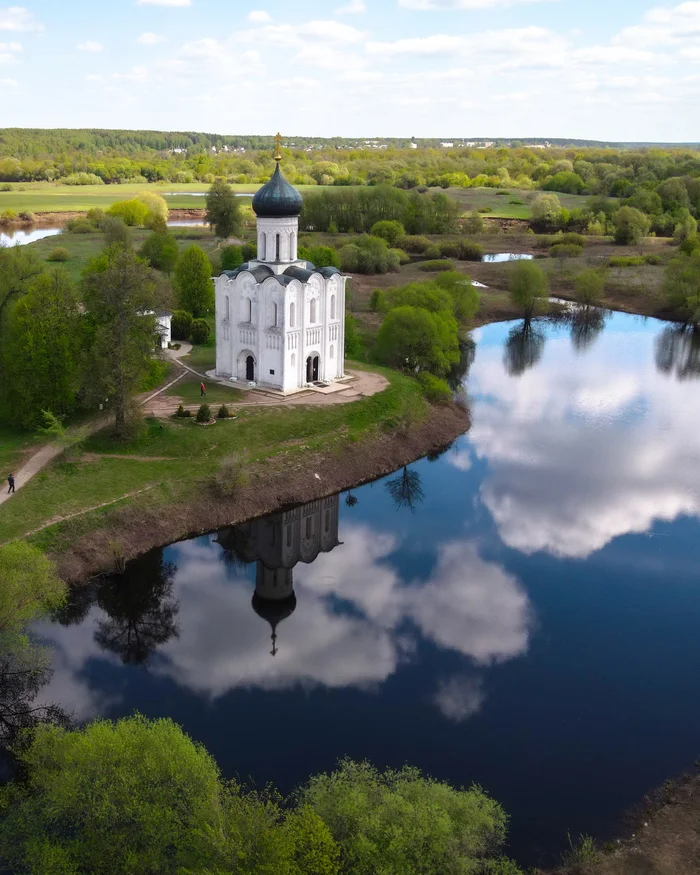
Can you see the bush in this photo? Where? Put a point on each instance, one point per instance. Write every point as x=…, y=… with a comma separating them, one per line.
x=627, y=261
x=204, y=413
x=82, y=179
x=377, y=301
x=566, y=250
x=402, y=256
x=161, y=251
x=249, y=251
x=7, y=217
x=470, y=251
x=80, y=226
x=223, y=412
x=485, y=210
x=474, y=224
x=181, y=325
x=436, y=265
x=527, y=284
x=183, y=413
x=96, y=216
x=323, y=256
x=653, y=258
x=570, y=237
x=115, y=231
x=58, y=254
x=230, y=475
x=449, y=250
x=231, y=257
x=413, y=243
x=200, y=331
x=131, y=212
x=27, y=216
x=432, y=251
x=589, y=286
x=369, y=255
x=435, y=390
x=631, y=226
x=389, y=229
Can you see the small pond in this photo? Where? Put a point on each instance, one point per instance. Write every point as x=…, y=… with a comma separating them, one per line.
x=21, y=236
x=521, y=611
x=497, y=257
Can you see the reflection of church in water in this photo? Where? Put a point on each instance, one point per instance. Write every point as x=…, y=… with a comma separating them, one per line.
x=276, y=543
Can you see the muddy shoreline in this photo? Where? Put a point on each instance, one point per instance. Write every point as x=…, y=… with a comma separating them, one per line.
x=60, y=217
x=272, y=485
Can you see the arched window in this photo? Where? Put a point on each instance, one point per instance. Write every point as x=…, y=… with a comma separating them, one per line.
x=308, y=527
x=289, y=535
x=261, y=247
x=292, y=314
x=227, y=307
x=312, y=310
x=332, y=306
x=248, y=310
x=294, y=359
x=327, y=520
x=293, y=247
x=332, y=352
x=274, y=315
x=277, y=248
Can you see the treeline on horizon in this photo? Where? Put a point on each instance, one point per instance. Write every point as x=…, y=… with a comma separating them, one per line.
x=105, y=157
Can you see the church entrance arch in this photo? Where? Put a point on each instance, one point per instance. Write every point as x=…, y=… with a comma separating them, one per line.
x=312, y=368
x=246, y=366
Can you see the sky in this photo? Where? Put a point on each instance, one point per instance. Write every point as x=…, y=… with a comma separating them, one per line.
x=615, y=70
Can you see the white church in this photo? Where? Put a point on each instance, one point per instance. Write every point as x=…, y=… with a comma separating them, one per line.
x=280, y=322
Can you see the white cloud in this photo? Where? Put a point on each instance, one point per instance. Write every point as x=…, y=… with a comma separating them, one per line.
x=664, y=26
x=449, y=5
x=151, y=39
x=259, y=16
x=90, y=46
x=9, y=83
x=8, y=52
x=163, y=2
x=18, y=18
x=354, y=7
x=460, y=698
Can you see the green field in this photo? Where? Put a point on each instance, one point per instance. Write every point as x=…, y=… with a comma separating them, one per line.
x=500, y=206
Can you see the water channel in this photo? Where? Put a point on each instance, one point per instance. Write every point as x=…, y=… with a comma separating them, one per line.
x=521, y=611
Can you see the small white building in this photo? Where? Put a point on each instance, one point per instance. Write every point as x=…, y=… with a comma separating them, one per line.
x=280, y=321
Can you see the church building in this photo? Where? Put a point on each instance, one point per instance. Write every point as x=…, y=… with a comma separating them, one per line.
x=280, y=322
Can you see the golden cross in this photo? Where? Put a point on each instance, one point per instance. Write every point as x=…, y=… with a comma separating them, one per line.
x=278, y=141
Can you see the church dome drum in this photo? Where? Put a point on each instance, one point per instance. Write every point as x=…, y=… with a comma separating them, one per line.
x=277, y=199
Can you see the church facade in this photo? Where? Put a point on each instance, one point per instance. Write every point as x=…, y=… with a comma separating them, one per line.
x=280, y=321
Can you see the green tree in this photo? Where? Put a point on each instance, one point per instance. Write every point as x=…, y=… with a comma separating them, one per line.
x=353, y=341
x=324, y=256
x=161, y=251
x=115, y=231
x=389, y=229
x=133, y=796
x=181, y=325
x=401, y=821
x=41, y=350
x=682, y=285
x=223, y=209
x=589, y=286
x=131, y=212
x=193, y=282
x=157, y=208
x=631, y=226
x=546, y=212
x=231, y=257
x=527, y=285
x=18, y=267
x=474, y=223
x=119, y=291
x=414, y=339
x=29, y=586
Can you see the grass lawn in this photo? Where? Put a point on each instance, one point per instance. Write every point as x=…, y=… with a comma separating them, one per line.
x=177, y=457
x=202, y=358
x=188, y=390
x=500, y=206
x=15, y=448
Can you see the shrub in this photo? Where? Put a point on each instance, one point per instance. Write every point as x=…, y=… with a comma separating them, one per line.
x=449, y=250
x=96, y=216
x=80, y=226
x=27, y=216
x=402, y=256
x=474, y=224
x=589, y=286
x=249, y=251
x=432, y=251
x=413, y=243
x=566, y=250
x=438, y=264
x=626, y=261
x=161, y=251
x=485, y=210
x=516, y=201
x=653, y=258
x=631, y=226
x=230, y=474
x=435, y=390
x=470, y=251
x=82, y=179
x=181, y=325
x=368, y=255
x=58, y=254
x=183, y=413
x=204, y=413
x=200, y=331
x=5, y=186
x=389, y=229
x=231, y=257
x=115, y=231
x=377, y=301
x=527, y=284
x=131, y=212
x=8, y=216
x=323, y=256
x=223, y=412
x=572, y=238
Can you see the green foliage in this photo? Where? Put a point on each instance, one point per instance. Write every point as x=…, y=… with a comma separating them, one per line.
x=161, y=251
x=413, y=243
x=377, y=301
x=465, y=298
x=40, y=352
x=323, y=256
x=193, y=282
x=115, y=231
x=546, y=212
x=182, y=412
x=223, y=412
x=566, y=250
x=449, y=250
x=81, y=179
x=368, y=255
x=131, y=212
x=154, y=376
x=58, y=254
x=29, y=587
x=353, y=341
x=432, y=252
x=80, y=226
x=399, y=821
x=581, y=852
x=223, y=210
x=527, y=285
x=633, y=260
x=565, y=181
x=200, y=331
x=631, y=226
x=157, y=215
x=436, y=265
x=389, y=229
x=231, y=257
x=415, y=339
x=589, y=286
x=435, y=390
x=181, y=325
x=204, y=413
x=470, y=251
x=682, y=286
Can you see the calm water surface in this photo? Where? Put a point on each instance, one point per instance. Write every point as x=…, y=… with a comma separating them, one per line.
x=522, y=612
x=22, y=236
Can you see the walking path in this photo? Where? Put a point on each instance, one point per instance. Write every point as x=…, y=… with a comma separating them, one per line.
x=360, y=384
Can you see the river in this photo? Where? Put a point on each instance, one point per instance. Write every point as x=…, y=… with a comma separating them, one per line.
x=521, y=612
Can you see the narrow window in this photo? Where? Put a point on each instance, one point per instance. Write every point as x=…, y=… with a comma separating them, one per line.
x=332, y=352
x=289, y=536
x=278, y=248
x=294, y=359
x=308, y=527
x=293, y=247
x=312, y=310
x=274, y=315
x=249, y=310
x=292, y=308
x=262, y=247
x=332, y=306
x=328, y=520
x=228, y=307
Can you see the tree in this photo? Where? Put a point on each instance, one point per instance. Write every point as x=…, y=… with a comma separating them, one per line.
x=406, y=489
x=157, y=208
x=131, y=212
x=414, y=339
x=527, y=285
x=18, y=267
x=199, y=333
x=631, y=226
x=586, y=325
x=401, y=821
x=324, y=256
x=523, y=349
x=119, y=291
x=682, y=285
x=223, y=209
x=135, y=796
x=181, y=325
x=231, y=257
x=115, y=231
x=161, y=251
x=589, y=286
x=193, y=282
x=41, y=350
x=546, y=212
x=678, y=352
x=474, y=223
x=353, y=341
x=389, y=229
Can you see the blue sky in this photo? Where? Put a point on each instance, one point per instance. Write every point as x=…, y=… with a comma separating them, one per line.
x=601, y=69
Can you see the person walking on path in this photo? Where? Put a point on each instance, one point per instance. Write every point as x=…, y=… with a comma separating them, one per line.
x=202, y=390
x=11, y=481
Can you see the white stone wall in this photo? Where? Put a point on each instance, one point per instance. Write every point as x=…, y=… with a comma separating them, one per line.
x=270, y=231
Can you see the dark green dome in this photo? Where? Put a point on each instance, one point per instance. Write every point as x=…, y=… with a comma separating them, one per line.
x=277, y=199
